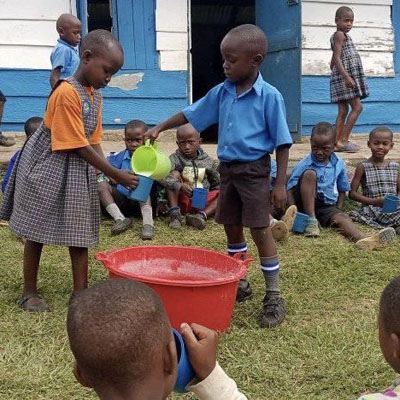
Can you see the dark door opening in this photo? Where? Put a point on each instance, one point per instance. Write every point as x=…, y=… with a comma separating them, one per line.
x=99, y=15
x=211, y=21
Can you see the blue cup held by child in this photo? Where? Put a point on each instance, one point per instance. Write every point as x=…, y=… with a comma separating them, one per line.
x=300, y=223
x=199, y=198
x=185, y=370
x=390, y=204
x=142, y=190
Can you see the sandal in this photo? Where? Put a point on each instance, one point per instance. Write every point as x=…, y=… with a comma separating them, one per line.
x=349, y=147
x=37, y=304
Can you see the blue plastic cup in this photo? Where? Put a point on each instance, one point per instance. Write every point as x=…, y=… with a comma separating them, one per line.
x=300, y=222
x=185, y=370
x=390, y=204
x=199, y=198
x=142, y=190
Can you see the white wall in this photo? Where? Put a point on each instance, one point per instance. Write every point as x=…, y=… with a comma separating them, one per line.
x=172, y=34
x=372, y=34
x=28, y=31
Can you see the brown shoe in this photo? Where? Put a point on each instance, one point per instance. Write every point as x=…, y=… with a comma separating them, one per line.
x=196, y=220
x=279, y=231
x=377, y=240
x=289, y=216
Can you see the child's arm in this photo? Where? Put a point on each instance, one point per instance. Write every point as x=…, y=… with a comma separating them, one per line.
x=172, y=122
x=94, y=156
x=355, y=184
x=340, y=201
x=55, y=76
x=278, y=194
x=213, y=383
x=338, y=41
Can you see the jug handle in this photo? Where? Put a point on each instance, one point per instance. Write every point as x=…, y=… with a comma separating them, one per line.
x=246, y=261
x=154, y=145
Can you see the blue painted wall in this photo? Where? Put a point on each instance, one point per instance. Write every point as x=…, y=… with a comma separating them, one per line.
x=382, y=107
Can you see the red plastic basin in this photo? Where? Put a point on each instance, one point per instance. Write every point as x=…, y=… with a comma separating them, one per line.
x=195, y=284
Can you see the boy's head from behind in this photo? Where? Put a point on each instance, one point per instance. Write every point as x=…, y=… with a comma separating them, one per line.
x=134, y=134
x=188, y=140
x=380, y=141
x=389, y=323
x=243, y=49
x=69, y=28
x=322, y=141
x=31, y=125
x=101, y=57
x=122, y=341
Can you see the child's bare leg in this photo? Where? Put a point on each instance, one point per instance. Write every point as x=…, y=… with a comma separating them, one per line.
x=79, y=261
x=234, y=233
x=264, y=241
x=172, y=197
x=105, y=194
x=32, y=253
x=346, y=227
x=343, y=109
x=308, y=191
x=356, y=109
x=211, y=208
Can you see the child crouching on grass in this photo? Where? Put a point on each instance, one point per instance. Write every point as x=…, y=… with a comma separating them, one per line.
x=191, y=167
x=51, y=197
x=318, y=185
x=389, y=337
x=124, y=348
x=377, y=177
x=117, y=204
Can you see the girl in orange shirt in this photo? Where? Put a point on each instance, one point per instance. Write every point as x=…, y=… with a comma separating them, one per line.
x=52, y=195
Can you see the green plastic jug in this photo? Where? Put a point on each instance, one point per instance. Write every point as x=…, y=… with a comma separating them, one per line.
x=148, y=161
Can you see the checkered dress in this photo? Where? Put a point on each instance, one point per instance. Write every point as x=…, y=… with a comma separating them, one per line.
x=352, y=64
x=377, y=182
x=51, y=197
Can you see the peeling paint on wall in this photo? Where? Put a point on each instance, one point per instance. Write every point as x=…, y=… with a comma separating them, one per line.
x=126, y=81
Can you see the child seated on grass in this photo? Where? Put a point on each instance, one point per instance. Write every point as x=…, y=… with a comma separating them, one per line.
x=318, y=185
x=191, y=167
x=31, y=126
x=124, y=348
x=116, y=203
x=377, y=178
x=389, y=337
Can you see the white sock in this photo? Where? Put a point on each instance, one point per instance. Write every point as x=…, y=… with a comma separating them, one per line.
x=272, y=222
x=115, y=212
x=147, y=214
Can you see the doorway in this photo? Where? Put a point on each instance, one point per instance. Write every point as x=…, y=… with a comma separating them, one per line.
x=211, y=20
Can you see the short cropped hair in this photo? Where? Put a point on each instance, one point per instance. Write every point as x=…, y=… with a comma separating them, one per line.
x=383, y=129
x=116, y=328
x=343, y=10
x=136, y=123
x=187, y=128
x=98, y=41
x=323, y=128
x=390, y=306
x=31, y=125
x=254, y=37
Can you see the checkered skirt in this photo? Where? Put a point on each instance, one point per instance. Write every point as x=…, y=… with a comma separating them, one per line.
x=51, y=197
x=352, y=64
x=377, y=182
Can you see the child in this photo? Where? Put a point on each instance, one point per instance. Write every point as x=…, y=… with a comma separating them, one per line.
x=4, y=141
x=65, y=57
x=190, y=167
x=31, y=126
x=348, y=83
x=377, y=177
x=51, y=197
x=123, y=345
x=389, y=337
x=116, y=203
x=252, y=124
x=318, y=185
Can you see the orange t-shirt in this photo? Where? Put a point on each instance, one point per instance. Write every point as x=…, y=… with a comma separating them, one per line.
x=64, y=118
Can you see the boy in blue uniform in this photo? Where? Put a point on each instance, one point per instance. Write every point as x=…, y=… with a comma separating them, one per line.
x=65, y=56
x=318, y=186
x=252, y=124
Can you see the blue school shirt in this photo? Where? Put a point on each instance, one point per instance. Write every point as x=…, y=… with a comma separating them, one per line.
x=65, y=56
x=331, y=178
x=250, y=125
x=121, y=160
x=9, y=170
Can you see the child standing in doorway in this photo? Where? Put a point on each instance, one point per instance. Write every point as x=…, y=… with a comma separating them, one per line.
x=348, y=82
x=252, y=124
x=51, y=197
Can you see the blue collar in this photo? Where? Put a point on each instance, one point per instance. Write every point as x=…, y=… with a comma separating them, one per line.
x=126, y=155
x=333, y=160
x=257, y=86
x=67, y=44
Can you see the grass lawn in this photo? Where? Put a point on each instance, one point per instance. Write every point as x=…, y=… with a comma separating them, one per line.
x=326, y=349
